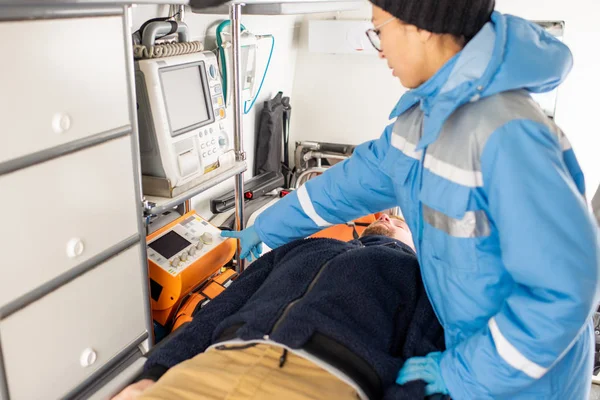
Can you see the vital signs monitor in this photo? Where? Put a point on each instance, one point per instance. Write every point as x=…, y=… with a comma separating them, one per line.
x=182, y=118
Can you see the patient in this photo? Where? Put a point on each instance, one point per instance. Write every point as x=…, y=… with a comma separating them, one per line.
x=314, y=319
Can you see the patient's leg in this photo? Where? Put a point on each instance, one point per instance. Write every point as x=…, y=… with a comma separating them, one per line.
x=250, y=373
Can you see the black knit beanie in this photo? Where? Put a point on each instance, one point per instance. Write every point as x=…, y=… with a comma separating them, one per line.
x=457, y=17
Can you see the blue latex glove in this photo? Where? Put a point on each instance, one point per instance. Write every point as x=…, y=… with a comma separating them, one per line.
x=249, y=240
x=426, y=369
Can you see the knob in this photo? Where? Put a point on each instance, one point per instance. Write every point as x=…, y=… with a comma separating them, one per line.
x=75, y=248
x=199, y=245
x=212, y=141
x=207, y=237
x=88, y=357
x=175, y=262
x=61, y=123
x=192, y=251
x=183, y=256
x=222, y=142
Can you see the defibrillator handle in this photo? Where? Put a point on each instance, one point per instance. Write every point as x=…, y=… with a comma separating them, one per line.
x=157, y=29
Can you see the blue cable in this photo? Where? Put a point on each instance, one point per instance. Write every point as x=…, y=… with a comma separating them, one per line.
x=220, y=29
x=246, y=111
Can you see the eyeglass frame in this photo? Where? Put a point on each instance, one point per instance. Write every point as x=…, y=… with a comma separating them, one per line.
x=377, y=30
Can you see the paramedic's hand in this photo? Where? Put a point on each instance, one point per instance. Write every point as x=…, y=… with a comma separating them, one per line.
x=135, y=390
x=426, y=369
x=249, y=240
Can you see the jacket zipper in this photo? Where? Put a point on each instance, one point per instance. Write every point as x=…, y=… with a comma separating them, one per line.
x=287, y=308
x=312, y=284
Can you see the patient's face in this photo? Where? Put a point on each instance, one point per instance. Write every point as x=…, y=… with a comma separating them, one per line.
x=392, y=227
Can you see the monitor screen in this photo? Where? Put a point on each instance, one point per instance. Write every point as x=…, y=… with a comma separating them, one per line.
x=185, y=98
x=169, y=244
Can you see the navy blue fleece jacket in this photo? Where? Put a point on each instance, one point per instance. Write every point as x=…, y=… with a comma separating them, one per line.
x=366, y=294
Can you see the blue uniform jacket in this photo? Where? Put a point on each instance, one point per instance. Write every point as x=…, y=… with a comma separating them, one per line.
x=494, y=196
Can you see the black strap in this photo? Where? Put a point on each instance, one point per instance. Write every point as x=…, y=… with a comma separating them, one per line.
x=355, y=234
x=174, y=26
x=287, y=113
x=338, y=355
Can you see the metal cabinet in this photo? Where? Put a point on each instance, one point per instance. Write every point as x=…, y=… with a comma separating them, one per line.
x=74, y=304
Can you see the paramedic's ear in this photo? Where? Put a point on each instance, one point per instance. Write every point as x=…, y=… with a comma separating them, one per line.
x=424, y=35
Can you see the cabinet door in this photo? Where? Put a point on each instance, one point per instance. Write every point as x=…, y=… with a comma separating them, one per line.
x=63, y=212
x=54, y=344
x=60, y=80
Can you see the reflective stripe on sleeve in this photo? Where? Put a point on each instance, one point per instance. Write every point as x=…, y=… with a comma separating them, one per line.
x=512, y=356
x=309, y=209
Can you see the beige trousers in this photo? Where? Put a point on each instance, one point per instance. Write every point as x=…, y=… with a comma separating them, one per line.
x=248, y=373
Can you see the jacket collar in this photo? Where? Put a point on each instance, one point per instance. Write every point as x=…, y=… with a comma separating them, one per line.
x=463, y=78
x=378, y=240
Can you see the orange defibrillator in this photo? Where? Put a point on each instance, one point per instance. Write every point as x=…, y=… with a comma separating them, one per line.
x=182, y=256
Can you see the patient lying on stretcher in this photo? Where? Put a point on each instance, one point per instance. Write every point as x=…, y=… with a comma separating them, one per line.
x=314, y=319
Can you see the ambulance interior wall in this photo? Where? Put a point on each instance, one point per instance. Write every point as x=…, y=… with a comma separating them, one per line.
x=347, y=98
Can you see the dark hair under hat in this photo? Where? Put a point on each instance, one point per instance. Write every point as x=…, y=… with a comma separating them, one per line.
x=457, y=17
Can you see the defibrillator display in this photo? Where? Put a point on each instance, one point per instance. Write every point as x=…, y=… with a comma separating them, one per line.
x=169, y=244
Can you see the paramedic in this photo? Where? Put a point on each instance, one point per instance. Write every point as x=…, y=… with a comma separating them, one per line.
x=298, y=324
x=491, y=190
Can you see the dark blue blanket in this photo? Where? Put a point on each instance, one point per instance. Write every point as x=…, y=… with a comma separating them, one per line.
x=365, y=294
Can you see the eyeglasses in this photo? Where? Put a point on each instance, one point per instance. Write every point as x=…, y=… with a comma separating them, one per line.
x=373, y=34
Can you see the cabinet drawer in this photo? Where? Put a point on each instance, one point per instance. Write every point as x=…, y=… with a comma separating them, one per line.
x=61, y=213
x=62, y=80
x=47, y=344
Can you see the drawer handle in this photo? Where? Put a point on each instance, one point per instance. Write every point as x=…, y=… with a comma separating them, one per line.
x=88, y=357
x=75, y=247
x=61, y=123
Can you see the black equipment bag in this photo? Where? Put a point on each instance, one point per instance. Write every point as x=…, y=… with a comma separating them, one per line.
x=273, y=134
